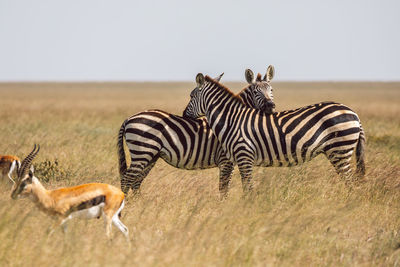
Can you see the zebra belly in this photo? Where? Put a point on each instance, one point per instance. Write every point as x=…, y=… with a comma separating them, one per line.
x=190, y=161
x=199, y=152
x=282, y=162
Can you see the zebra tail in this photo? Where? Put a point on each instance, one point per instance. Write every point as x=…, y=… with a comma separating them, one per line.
x=360, y=153
x=121, y=152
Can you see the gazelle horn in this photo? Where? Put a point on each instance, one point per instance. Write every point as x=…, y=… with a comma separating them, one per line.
x=26, y=163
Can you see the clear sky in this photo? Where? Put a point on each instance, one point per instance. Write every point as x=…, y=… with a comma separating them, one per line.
x=95, y=40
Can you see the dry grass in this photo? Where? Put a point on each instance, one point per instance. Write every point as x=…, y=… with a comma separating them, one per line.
x=299, y=216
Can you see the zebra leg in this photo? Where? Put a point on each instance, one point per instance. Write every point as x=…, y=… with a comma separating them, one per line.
x=225, y=175
x=342, y=163
x=246, y=172
x=133, y=178
x=135, y=175
x=125, y=184
x=140, y=177
x=148, y=169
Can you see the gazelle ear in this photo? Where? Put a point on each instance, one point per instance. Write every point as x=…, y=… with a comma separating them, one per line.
x=218, y=78
x=249, y=76
x=270, y=73
x=32, y=169
x=200, y=79
x=30, y=175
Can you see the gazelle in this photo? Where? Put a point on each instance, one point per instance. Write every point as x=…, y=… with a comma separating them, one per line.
x=85, y=201
x=8, y=164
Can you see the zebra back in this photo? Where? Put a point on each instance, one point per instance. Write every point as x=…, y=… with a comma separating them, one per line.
x=287, y=138
x=181, y=142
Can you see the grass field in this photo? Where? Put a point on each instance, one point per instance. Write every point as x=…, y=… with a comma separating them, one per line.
x=303, y=215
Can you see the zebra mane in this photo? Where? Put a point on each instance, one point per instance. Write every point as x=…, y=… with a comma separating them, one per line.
x=244, y=89
x=223, y=87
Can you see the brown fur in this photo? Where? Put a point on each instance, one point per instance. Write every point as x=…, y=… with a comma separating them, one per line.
x=59, y=201
x=221, y=86
x=5, y=163
x=8, y=158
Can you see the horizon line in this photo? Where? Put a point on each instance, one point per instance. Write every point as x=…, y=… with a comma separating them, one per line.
x=185, y=81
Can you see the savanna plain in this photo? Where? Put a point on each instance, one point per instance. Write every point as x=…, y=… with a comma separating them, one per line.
x=303, y=215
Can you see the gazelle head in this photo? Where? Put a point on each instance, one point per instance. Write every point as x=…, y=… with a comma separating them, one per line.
x=23, y=185
x=261, y=90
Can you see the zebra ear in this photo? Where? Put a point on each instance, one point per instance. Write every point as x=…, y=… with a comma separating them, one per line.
x=218, y=78
x=200, y=79
x=270, y=73
x=249, y=76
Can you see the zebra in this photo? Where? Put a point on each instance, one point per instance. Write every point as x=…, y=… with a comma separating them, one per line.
x=181, y=142
x=251, y=138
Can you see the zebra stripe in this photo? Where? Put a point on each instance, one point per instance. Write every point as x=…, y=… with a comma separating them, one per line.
x=181, y=142
x=252, y=138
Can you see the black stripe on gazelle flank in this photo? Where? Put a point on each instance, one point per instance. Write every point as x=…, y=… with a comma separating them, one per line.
x=93, y=202
x=88, y=204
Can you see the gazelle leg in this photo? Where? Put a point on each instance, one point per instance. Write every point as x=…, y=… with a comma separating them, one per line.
x=107, y=224
x=9, y=176
x=117, y=222
x=58, y=223
x=64, y=225
x=13, y=165
x=52, y=231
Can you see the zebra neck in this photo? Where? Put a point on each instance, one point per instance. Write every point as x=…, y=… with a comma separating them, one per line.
x=219, y=111
x=246, y=98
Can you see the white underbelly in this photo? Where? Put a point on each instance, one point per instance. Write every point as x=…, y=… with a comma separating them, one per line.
x=90, y=213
